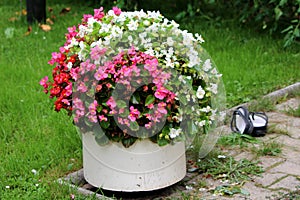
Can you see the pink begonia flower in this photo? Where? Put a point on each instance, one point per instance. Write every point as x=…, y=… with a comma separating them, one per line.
x=148, y=126
x=161, y=93
x=150, y=106
x=111, y=103
x=121, y=110
x=74, y=73
x=69, y=89
x=98, y=13
x=86, y=66
x=44, y=81
x=86, y=17
x=93, y=108
x=102, y=118
x=55, y=58
x=93, y=118
x=77, y=104
x=134, y=113
x=78, y=114
x=72, y=32
x=66, y=101
x=101, y=74
x=117, y=11
x=148, y=116
x=171, y=96
x=126, y=122
x=151, y=65
x=162, y=108
x=120, y=120
x=81, y=87
x=97, y=52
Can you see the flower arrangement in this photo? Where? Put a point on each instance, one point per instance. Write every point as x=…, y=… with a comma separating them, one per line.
x=131, y=75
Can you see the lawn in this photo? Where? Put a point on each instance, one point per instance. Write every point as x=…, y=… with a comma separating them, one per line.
x=38, y=145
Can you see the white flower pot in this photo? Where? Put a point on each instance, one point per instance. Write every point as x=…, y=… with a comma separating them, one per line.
x=144, y=166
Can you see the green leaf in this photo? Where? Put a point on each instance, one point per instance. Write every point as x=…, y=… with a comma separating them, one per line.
x=121, y=104
x=149, y=99
x=136, y=99
x=102, y=140
x=278, y=13
x=162, y=142
x=104, y=124
x=134, y=126
x=128, y=142
x=182, y=99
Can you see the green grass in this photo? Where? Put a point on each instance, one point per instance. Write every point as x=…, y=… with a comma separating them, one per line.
x=34, y=137
x=268, y=149
x=228, y=168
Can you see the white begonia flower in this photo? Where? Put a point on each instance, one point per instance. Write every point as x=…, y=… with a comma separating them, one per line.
x=181, y=79
x=207, y=65
x=200, y=92
x=174, y=132
x=169, y=62
x=91, y=22
x=146, y=22
x=170, y=41
x=82, y=30
x=202, y=123
x=69, y=65
x=130, y=39
x=199, y=38
x=110, y=13
x=153, y=14
x=207, y=109
x=132, y=25
x=213, y=88
x=173, y=23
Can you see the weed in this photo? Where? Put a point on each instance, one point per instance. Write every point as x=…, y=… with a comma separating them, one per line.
x=229, y=169
x=294, y=112
x=274, y=129
x=262, y=105
x=268, y=149
x=242, y=140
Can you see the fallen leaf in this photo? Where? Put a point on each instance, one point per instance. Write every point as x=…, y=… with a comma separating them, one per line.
x=24, y=12
x=53, y=17
x=12, y=19
x=50, y=9
x=49, y=21
x=29, y=29
x=45, y=27
x=65, y=10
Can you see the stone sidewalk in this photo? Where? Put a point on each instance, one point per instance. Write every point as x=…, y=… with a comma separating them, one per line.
x=281, y=173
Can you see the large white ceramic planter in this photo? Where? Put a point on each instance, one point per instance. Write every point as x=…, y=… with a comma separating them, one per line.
x=144, y=166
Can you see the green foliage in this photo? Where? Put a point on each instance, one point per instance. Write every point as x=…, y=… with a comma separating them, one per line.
x=273, y=15
x=280, y=17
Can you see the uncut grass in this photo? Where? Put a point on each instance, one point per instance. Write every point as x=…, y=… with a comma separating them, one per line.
x=33, y=136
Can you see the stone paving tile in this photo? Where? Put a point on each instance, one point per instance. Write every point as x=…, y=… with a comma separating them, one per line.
x=291, y=103
x=269, y=161
x=288, y=183
x=268, y=178
x=256, y=193
x=288, y=141
x=244, y=155
x=291, y=155
x=286, y=167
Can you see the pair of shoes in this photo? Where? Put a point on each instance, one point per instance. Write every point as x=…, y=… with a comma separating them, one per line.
x=251, y=123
